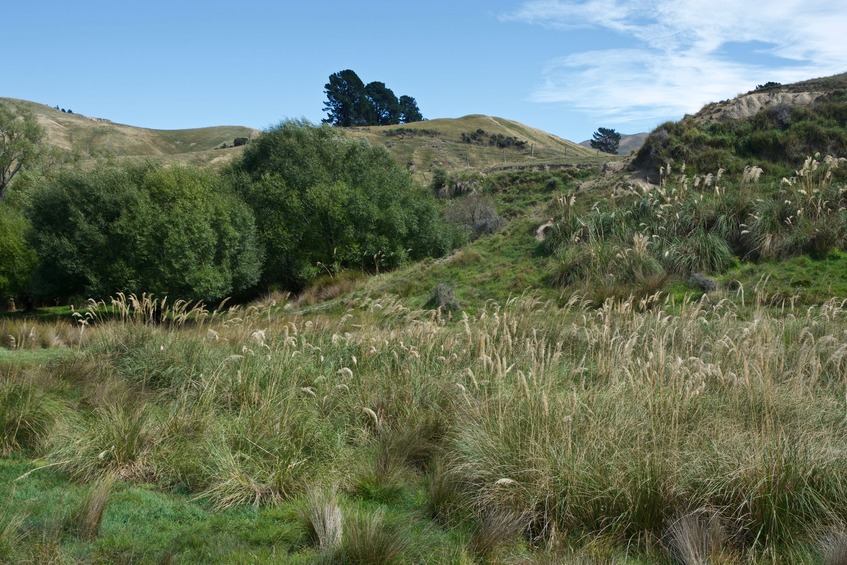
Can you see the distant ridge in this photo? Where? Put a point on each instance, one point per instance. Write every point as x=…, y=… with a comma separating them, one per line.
x=475, y=143
x=93, y=138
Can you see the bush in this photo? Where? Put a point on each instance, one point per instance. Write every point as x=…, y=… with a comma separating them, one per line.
x=476, y=215
x=17, y=257
x=324, y=202
x=174, y=231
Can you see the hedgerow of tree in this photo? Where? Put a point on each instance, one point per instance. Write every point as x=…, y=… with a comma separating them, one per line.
x=498, y=140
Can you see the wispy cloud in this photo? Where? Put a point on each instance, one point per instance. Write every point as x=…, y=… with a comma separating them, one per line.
x=683, y=53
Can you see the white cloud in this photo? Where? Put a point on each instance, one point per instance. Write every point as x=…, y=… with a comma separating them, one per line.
x=678, y=58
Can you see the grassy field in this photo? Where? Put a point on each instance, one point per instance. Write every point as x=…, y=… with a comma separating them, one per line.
x=639, y=432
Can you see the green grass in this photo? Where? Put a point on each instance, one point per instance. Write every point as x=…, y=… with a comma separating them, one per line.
x=804, y=279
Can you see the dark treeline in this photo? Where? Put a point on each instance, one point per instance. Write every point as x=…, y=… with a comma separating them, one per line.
x=351, y=102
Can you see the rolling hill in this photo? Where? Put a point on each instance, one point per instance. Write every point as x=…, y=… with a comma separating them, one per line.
x=93, y=138
x=473, y=143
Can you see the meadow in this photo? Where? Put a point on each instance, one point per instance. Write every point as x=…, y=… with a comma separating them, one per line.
x=642, y=431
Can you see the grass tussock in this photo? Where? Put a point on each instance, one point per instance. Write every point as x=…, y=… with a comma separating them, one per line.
x=85, y=519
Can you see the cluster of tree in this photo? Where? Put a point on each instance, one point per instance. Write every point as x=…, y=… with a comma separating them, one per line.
x=606, y=140
x=64, y=111
x=350, y=102
x=304, y=201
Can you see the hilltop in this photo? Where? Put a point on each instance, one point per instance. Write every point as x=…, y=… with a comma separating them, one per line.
x=92, y=138
x=473, y=143
x=476, y=143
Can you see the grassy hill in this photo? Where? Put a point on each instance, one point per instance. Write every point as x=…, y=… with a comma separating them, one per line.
x=473, y=143
x=540, y=423
x=490, y=143
x=87, y=138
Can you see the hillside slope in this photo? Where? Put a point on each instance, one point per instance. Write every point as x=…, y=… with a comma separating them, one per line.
x=475, y=143
x=92, y=138
x=774, y=127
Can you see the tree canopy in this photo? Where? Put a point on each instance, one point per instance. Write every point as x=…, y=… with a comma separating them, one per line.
x=606, y=140
x=351, y=103
x=385, y=104
x=324, y=202
x=20, y=135
x=174, y=231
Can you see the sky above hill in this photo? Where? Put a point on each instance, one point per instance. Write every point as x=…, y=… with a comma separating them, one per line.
x=567, y=67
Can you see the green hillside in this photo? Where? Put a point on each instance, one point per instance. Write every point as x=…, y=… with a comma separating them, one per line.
x=591, y=369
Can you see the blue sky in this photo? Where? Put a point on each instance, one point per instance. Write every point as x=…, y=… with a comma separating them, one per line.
x=567, y=67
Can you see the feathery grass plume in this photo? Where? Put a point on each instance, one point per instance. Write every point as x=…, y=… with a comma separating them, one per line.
x=85, y=519
x=369, y=539
x=322, y=517
x=751, y=174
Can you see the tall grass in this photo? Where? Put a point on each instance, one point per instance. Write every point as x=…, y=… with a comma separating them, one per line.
x=526, y=427
x=695, y=224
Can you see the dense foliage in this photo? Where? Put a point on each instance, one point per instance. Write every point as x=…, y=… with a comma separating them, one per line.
x=324, y=202
x=19, y=138
x=18, y=257
x=174, y=231
x=352, y=103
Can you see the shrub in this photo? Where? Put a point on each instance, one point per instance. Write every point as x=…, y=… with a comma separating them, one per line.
x=324, y=202
x=174, y=231
x=476, y=215
x=17, y=257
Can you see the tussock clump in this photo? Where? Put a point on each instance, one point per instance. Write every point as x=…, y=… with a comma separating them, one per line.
x=85, y=519
x=322, y=516
x=698, y=538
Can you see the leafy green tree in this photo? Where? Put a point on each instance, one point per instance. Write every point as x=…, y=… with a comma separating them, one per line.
x=347, y=102
x=20, y=136
x=385, y=105
x=324, y=202
x=409, y=111
x=606, y=140
x=17, y=257
x=173, y=231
